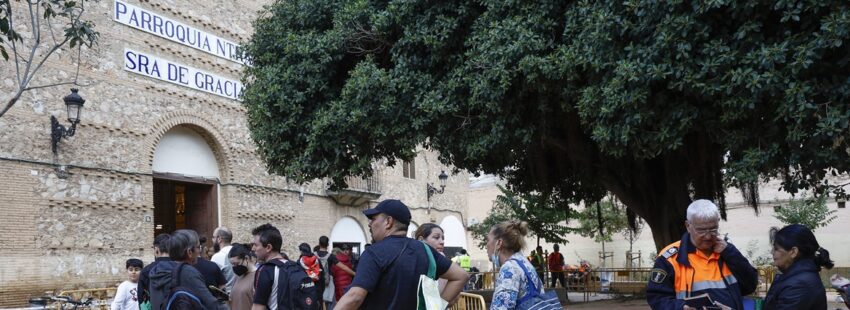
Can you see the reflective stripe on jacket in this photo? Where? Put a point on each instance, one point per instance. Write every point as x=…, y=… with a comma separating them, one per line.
x=681, y=270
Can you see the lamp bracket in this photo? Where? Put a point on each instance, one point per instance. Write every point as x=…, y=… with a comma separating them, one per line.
x=58, y=131
x=433, y=190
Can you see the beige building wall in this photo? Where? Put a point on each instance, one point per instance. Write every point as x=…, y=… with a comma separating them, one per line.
x=746, y=229
x=76, y=232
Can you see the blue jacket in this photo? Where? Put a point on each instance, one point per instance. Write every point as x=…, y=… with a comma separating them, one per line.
x=681, y=271
x=799, y=287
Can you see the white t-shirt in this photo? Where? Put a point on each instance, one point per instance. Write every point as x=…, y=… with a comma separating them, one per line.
x=126, y=298
x=221, y=258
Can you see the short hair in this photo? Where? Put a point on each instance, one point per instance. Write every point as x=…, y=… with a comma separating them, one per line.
x=463, y=251
x=161, y=242
x=512, y=234
x=241, y=251
x=344, y=247
x=323, y=241
x=556, y=247
x=134, y=262
x=703, y=209
x=181, y=241
x=425, y=230
x=398, y=225
x=223, y=233
x=268, y=235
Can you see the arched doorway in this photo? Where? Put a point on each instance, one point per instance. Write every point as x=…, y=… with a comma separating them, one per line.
x=411, y=229
x=348, y=231
x=455, y=235
x=186, y=178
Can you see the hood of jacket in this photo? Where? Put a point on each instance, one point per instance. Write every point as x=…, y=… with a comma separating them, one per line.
x=160, y=282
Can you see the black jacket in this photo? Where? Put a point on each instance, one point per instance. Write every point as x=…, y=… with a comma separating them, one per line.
x=143, y=288
x=799, y=287
x=190, y=278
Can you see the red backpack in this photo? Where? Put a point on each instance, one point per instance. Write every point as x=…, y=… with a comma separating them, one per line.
x=312, y=266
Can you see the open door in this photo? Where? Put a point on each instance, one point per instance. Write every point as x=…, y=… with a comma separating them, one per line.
x=183, y=203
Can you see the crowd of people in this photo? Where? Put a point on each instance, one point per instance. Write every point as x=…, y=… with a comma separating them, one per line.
x=260, y=276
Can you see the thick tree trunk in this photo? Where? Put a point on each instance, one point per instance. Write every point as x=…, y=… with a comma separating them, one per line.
x=657, y=189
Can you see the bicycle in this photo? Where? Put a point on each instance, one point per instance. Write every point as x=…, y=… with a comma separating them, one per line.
x=45, y=301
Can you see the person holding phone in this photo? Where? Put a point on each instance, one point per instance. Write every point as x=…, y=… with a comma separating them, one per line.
x=702, y=263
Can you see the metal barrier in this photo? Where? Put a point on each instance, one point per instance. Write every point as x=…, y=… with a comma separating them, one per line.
x=608, y=280
x=469, y=302
x=632, y=280
x=102, y=296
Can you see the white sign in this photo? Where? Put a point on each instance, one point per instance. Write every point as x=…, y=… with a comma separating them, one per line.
x=170, y=29
x=161, y=69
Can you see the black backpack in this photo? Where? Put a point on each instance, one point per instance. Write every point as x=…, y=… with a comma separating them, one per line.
x=180, y=297
x=295, y=290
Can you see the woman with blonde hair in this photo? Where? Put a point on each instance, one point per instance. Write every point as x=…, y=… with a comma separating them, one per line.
x=516, y=287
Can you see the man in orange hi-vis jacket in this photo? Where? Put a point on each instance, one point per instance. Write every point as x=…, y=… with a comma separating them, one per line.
x=702, y=262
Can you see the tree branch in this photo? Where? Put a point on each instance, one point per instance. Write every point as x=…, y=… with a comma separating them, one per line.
x=12, y=39
x=54, y=84
x=36, y=34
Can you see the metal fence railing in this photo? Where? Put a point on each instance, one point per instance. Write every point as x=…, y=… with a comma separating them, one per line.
x=631, y=281
x=371, y=184
x=608, y=280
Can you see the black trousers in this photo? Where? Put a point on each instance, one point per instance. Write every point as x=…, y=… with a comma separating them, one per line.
x=558, y=276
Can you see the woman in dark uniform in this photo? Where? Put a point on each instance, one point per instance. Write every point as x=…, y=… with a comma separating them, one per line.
x=797, y=254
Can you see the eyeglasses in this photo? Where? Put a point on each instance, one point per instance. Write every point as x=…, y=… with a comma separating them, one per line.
x=707, y=232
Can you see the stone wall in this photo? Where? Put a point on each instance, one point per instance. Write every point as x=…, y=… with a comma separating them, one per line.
x=76, y=232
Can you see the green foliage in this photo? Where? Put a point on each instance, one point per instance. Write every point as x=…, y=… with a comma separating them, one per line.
x=546, y=219
x=77, y=31
x=811, y=212
x=653, y=101
x=764, y=259
x=614, y=220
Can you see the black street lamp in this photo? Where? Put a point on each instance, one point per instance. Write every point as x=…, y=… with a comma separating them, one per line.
x=74, y=104
x=433, y=190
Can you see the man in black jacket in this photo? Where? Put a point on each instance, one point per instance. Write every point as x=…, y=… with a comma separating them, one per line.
x=160, y=250
x=183, y=249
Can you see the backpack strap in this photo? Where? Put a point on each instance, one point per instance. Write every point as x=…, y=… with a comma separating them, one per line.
x=532, y=288
x=384, y=269
x=432, y=265
x=279, y=282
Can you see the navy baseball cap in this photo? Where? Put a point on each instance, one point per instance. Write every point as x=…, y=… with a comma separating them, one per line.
x=392, y=207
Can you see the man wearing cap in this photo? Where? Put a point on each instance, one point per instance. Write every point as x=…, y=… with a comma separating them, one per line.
x=388, y=271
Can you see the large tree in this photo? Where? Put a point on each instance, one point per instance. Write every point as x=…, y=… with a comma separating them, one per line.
x=657, y=102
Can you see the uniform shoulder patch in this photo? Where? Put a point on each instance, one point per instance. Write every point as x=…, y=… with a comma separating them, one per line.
x=657, y=275
x=670, y=252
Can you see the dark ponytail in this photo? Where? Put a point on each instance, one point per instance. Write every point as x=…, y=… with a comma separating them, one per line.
x=796, y=235
x=822, y=259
